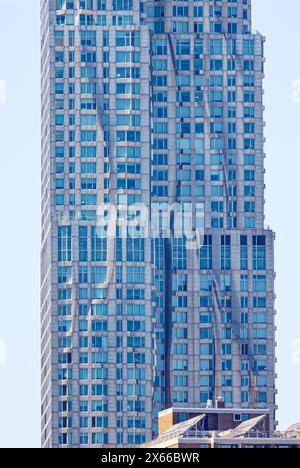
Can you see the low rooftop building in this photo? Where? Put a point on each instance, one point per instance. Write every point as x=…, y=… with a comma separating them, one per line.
x=220, y=427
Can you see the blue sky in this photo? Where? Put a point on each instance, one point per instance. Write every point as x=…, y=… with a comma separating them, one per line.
x=20, y=206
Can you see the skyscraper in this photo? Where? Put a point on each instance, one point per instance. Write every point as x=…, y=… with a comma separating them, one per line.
x=157, y=271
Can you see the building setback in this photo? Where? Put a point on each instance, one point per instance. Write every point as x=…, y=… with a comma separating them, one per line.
x=150, y=109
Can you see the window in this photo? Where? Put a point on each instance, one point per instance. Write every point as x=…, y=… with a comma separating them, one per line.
x=259, y=283
x=98, y=246
x=99, y=310
x=244, y=252
x=259, y=252
x=99, y=274
x=179, y=254
x=127, y=38
x=64, y=243
x=206, y=253
x=225, y=252
x=136, y=275
x=135, y=250
x=122, y=5
x=216, y=47
x=83, y=244
x=88, y=38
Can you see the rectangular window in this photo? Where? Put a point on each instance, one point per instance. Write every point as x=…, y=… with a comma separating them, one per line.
x=98, y=246
x=64, y=243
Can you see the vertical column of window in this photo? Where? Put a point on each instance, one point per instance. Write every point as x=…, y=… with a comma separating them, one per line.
x=233, y=16
x=96, y=328
x=160, y=191
x=229, y=349
x=259, y=343
x=88, y=115
x=243, y=16
x=198, y=113
x=180, y=347
x=160, y=118
x=198, y=15
x=97, y=372
x=225, y=252
x=132, y=167
x=207, y=323
x=217, y=18
x=244, y=253
x=230, y=331
x=88, y=119
x=84, y=358
x=180, y=17
x=259, y=253
x=98, y=245
x=156, y=16
x=171, y=146
x=135, y=354
x=232, y=131
x=104, y=127
x=136, y=338
x=218, y=133
x=234, y=317
x=64, y=338
x=64, y=244
x=61, y=77
x=206, y=253
x=102, y=8
x=65, y=12
x=88, y=10
x=128, y=117
x=202, y=77
x=159, y=298
x=64, y=73
x=249, y=134
x=205, y=335
x=236, y=115
x=258, y=123
x=120, y=329
x=184, y=132
x=71, y=116
x=246, y=351
x=123, y=13
x=245, y=321
x=247, y=18
x=83, y=243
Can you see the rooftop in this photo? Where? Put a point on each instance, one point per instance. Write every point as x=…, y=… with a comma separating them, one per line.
x=215, y=410
x=206, y=428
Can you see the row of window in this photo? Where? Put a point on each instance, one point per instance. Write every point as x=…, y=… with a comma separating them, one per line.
x=178, y=365
x=99, y=438
x=122, y=5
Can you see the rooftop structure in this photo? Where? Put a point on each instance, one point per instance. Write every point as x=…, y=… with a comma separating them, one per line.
x=221, y=428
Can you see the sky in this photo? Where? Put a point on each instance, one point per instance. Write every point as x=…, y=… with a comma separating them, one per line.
x=20, y=207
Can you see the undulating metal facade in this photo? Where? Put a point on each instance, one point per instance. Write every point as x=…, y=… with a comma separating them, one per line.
x=157, y=271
